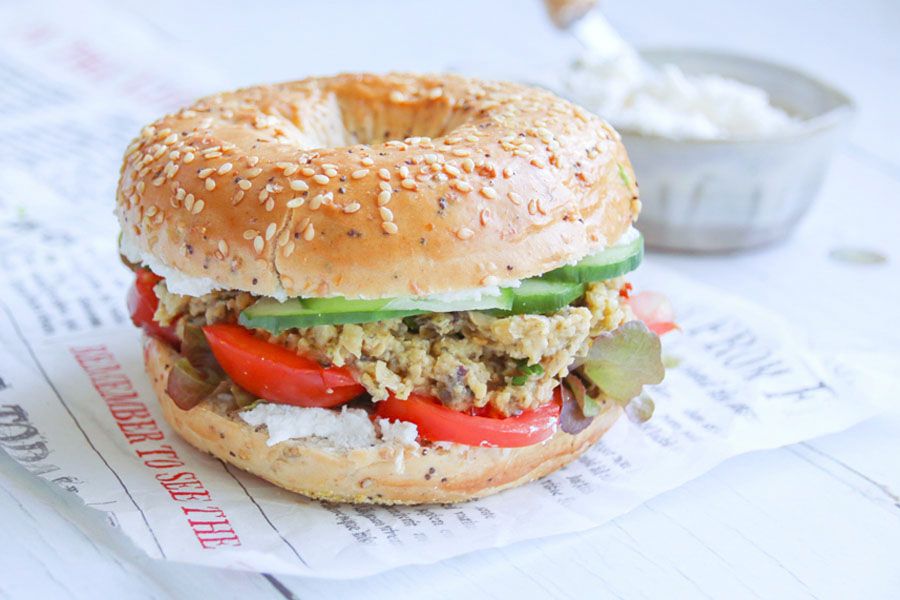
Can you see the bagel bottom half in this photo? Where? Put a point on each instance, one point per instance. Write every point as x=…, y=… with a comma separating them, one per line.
x=384, y=474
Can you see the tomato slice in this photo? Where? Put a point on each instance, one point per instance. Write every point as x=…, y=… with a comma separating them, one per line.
x=142, y=304
x=655, y=310
x=276, y=374
x=438, y=423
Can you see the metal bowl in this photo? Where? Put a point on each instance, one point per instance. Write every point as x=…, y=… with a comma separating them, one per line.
x=725, y=195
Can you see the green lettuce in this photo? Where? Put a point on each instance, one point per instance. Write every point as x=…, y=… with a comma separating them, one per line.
x=624, y=360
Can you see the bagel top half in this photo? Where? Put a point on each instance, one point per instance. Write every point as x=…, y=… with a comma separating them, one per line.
x=369, y=186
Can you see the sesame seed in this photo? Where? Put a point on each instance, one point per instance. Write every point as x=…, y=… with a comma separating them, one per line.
x=307, y=171
x=171, y=139
x=384, y=186
x=485, y=216
x=331, y=172
x=214, y=154
x=252, y=160
x=224, y=168
x=289, y=249
x=515, y=198
x=179, y=193
x=389, y=227
x=296, y=202
x=464, y=233
x=223, y=247
x=198, y=206
x=384, y=174
x=244, y=184
x=254, y=172
x=359, y=174
x=270, y=231
x=320, y=179
x=298, y=185
x=238, y=196
x=309, y=233
x=152, y=210
x=468, y=165
x=434, y=93
x=472, y=138
x=204, y=173
x=462, y=186
x=409, y=184
x=386, y=213
x=270, y=204
x=258, y=244
x=290, y=170
x=537, y=163
x=366, y=161
x=188, y=157
x=316, y=202
x=451, y=170
x=250, y=234
x=532, y=207
x=461, y=152
x=404, y=172
x=329, y=166
x=384, y=197
x=189, y=202
x=158, y=181
x=352, y=207
x=209, y=183
x=396, y=96
x=489, y=192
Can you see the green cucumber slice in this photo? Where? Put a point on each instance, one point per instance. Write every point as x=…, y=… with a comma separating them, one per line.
x=538, y=296
x=605, y=264
x=275, y=316
x=502, y=299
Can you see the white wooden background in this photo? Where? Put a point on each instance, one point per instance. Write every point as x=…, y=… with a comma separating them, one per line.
x=819, y=519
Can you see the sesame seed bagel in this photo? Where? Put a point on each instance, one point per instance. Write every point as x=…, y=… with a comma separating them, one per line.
x=379, y=475
x=374, y=186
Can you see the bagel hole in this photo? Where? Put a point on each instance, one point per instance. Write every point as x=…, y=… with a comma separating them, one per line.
x=341, y=120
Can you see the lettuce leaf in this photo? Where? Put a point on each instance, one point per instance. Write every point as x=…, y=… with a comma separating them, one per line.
x=624, y=360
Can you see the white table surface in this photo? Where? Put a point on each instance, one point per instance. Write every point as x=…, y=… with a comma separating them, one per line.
x=818, y=519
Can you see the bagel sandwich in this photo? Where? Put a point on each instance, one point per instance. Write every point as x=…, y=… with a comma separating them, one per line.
x=388, y=288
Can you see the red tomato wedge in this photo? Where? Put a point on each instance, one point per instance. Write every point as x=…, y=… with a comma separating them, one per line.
x=438, y=423
x=655, y=310
x=142, y=304
x=276, y=374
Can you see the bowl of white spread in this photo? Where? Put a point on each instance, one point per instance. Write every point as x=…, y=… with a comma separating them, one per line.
x=729, y=151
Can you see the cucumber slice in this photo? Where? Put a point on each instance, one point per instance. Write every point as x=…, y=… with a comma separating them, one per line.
x=502, y=299
x=271, y=315
x=606, y=264
x=537, y=296
x=275, y=316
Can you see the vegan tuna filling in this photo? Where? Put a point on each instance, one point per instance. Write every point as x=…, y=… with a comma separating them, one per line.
x=466, y=359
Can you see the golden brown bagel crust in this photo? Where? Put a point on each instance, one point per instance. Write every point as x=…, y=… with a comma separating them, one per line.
x=381, y=475
x=373, y=186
